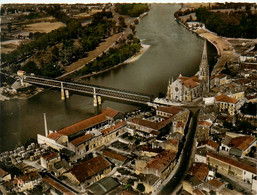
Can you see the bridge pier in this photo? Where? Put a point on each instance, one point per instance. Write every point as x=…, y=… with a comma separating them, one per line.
x=62, y=92
x=67, y=95
x=99, y=101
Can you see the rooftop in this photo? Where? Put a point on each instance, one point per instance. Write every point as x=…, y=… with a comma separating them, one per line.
x=3, y=173
x=110, y=112
x=242, y=142
x=57, y=186
x=54, y=135
x=150, y=179
x=103, y=186
x=215, y=183
x=204, y=123
x=193, y=180
x=113, y=128
x=81, y=139
x=200, y=170
x=233, y=162
x=27, y=177
x=114, y=155
x=162, y=160
x=50, y=156
x=151, y=125
x=189, y=82
x=89, y=168
x=85, y=124
x=225, y=98
x=211, y=143
x=170, y=109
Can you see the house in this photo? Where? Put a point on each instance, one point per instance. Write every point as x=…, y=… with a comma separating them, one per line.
x=89, y=171
x=48, y=160
x=150, y=181
x=212, y=145
x=213, y=185
x=112, y=132
x=191, y=183
x=162, y=164
x=81, y=144
x=238, y=146
x=27, y=181
x=61, y=167
x=5, y=176
x=218, y=80
x=56, y=187
x=199, y=170
x=168, y=111
x=231, y=167
x=172, y=144
x=114, y=157
x=203, y=129
x=147, y=128
x=227, y=104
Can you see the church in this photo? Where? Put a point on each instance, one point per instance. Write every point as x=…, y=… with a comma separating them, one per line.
x=187, y=89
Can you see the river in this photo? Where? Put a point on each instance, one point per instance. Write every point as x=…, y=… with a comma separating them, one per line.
x=173, y=50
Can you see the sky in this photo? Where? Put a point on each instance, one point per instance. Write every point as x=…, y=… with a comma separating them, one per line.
x=117, y=1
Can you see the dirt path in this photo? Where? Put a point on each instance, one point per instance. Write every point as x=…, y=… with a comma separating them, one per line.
x=103, y=47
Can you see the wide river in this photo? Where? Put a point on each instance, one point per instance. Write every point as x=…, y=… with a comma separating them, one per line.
x=173, y=51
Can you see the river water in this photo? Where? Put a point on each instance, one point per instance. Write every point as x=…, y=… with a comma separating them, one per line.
x=173, y=50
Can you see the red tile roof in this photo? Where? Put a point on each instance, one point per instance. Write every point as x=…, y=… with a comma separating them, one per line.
x=200, y=170
x=204, y=123
x=198, y=192
x=225, y=98
x=211, y=143
x=242, y=142
x=81, y=139
x=54, y=135
x=89, y=168
x=189, y=82
x=233, y=162
x=58, y=186
x=151, y=125
x=215, y=183
x=162, y=160
x=32, y=176
x=3, y=173
x=173, y=141
x=180, y=124
x=220, y=76
x=110, y=112
x=113, y=128
x=149, y=149
x=170, y=109
x=85, y=124
x=114, y=155
x=50, y=156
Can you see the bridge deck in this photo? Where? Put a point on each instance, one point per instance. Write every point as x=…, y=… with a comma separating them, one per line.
x=89, y=89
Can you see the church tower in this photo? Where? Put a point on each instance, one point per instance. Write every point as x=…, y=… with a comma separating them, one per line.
x=204, y=69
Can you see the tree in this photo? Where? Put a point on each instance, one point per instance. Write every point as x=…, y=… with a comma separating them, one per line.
x=141, y=187
x=31, y=67
x=130, y=37
x=122, y=22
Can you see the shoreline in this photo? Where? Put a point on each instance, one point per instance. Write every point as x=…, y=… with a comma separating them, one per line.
x=128, y=61
x=225, y=51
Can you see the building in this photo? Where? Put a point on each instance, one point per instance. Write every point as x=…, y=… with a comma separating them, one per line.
x=28, y=181
x=231, y=167
x=48, y=160
x=211, y=145
x=4, y=176
x=227, y=104
x=238, y=146
x=203, y=129
x=187, y=89
x=89, y=171
x=199, y=170
x=191, y=183
x=218, y=80
x=150, y=181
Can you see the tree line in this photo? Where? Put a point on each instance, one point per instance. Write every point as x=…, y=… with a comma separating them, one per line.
x=88, y=39
x=113, y=57
x=132, y=10
x=233, y=24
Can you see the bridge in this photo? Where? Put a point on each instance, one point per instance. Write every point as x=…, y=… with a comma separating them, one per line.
x=96, y=91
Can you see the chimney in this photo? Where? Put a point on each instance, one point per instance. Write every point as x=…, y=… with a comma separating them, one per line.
x=45, y=123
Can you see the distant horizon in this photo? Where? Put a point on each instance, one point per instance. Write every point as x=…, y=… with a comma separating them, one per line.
x=116, y=1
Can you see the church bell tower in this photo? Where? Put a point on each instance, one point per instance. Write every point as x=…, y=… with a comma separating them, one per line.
x=204, y=69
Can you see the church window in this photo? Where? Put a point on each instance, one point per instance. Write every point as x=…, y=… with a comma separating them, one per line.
x=176, y=88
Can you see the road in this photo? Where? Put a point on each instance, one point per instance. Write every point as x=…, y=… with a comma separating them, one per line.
x=171, y=186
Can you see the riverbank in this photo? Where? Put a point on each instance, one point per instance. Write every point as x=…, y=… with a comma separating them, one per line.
x=225, y=50
x=130, y=60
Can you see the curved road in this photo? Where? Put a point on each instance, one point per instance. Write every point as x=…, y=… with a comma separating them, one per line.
x=185, y=159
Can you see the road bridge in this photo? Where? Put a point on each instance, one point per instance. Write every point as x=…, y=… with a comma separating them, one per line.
x=96, y=91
